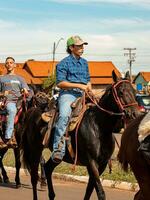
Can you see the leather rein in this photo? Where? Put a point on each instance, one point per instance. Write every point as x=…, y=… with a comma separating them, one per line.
x=117, y=100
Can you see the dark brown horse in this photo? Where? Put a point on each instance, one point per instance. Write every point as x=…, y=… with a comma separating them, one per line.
x=129, y=155
x=95, y=139
x=19, y=119
x=24, y=107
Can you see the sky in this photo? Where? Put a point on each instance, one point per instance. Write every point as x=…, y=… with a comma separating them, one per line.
x=29, y=28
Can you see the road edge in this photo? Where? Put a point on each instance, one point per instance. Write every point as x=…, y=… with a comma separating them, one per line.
x=84, y=179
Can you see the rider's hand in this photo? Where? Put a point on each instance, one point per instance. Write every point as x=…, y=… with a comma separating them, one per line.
x=86, y=88
x=6, y=92
x=25, y=92
x=83, y=87
x=89, y=86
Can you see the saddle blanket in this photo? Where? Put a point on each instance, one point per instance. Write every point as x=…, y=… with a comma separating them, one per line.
x=144, y=128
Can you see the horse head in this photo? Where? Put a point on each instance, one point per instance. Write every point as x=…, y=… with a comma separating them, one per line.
x=119, y=97
x=42, y=100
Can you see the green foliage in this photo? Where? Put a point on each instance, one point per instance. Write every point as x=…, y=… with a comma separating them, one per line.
x=49, y=83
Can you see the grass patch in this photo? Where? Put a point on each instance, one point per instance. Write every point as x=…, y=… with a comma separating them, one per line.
x=117, y=173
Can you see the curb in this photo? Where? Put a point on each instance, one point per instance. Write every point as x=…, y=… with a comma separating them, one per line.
x=84, y=179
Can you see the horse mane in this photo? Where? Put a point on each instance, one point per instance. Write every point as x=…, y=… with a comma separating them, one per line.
x=106, y=92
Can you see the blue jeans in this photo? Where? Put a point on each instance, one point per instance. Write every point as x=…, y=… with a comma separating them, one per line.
x=65, y=100
x=12, y=110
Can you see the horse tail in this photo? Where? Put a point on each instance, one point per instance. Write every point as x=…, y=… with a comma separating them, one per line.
x=31, y=140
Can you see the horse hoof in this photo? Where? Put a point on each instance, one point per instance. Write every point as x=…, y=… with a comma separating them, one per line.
x=43, y=185
x=18, y=186
x=6, y=180
x=1, y=180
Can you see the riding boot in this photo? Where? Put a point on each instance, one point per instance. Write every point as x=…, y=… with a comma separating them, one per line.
x=57, y=156
x=144, y=148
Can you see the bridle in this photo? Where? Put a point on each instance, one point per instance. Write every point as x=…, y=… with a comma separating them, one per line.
x=118, y=101
x=120, y=104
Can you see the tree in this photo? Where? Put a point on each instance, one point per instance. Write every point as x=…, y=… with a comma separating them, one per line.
x=49, y=84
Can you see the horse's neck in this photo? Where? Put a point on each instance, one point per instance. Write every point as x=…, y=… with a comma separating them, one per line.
x=108, y=104
x=105, y=120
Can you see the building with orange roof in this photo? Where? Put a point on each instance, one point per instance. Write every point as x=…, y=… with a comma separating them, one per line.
x=142, y=81
x=101, y=74
x=36, y=71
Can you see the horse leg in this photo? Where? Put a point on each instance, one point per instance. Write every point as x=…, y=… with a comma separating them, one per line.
x=138, y=196
x=34, y=179
x=3, y=171
x=49, y=167
x=18, y=166
x=142, y=175
x=90, y=185
x=89, y=189
x=95, y=181
x=1, y=180
x=4, y=174
x=43, y=177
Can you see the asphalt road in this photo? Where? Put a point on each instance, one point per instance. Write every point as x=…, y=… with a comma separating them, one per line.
x=64, y=191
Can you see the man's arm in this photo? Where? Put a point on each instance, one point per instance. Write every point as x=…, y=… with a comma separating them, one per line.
x=69, y=85
x=25, y=87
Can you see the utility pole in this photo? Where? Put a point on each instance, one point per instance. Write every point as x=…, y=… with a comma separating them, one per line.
x=55, y=45
x=131, y=59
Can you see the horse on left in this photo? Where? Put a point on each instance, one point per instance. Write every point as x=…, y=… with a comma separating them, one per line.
x=19, y=119
x=24, y=105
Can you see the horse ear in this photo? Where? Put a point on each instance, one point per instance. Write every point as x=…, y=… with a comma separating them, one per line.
x=127, y=76
x=114, y=76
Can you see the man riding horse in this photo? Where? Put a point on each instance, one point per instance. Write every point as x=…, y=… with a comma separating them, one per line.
x=73, y=78
x=11, y=86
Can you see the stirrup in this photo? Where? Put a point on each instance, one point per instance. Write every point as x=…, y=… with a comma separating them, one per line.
x=46, y=117
x=57, y=157
x=12, y=143
x=2, y=144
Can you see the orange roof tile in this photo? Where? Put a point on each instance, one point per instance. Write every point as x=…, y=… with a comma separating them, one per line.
x=40, y=68
x=146, y=76
x=103, y=81
x=101, y=72
x=102, y=69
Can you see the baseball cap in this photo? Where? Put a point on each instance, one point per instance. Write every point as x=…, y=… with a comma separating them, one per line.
x=75, y=40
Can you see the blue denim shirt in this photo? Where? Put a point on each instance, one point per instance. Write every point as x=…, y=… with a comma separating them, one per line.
x=72, y=70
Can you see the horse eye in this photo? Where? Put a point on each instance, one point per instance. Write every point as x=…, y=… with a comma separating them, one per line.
x=120, y=93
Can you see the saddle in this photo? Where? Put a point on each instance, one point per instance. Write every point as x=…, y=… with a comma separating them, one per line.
x=79, y=106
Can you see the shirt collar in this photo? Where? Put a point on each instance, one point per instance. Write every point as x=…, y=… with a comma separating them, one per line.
x=75, y=60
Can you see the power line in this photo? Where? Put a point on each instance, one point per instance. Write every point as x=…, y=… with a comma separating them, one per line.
x=60, y=53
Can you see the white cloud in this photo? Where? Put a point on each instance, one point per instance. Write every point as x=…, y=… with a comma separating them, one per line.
x=134, y=2
x=104, y=44
x=6, y=24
